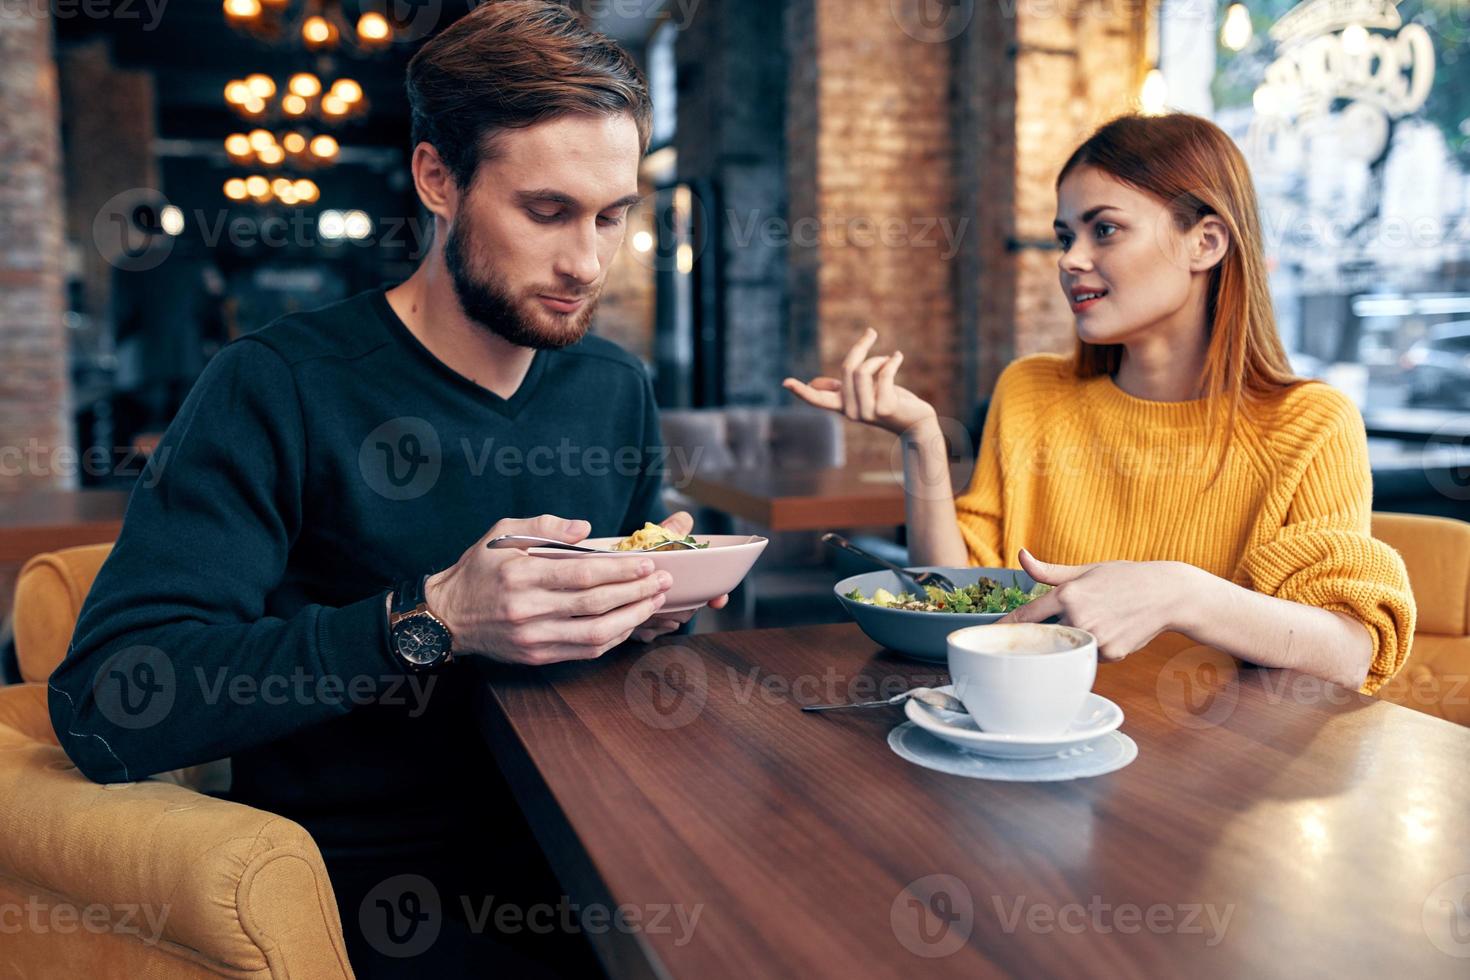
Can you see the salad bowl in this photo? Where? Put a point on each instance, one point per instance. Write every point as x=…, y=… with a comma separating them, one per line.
x=920, y=634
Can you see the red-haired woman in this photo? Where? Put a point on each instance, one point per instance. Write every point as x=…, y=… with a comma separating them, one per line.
x=1173, y=472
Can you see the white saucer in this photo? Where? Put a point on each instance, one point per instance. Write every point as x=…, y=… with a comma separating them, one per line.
x=1097, y=717
x=1100, y=756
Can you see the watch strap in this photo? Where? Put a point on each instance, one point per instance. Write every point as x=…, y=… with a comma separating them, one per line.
x=409, y=594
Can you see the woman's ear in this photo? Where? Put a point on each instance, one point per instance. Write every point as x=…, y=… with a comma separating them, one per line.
x=1210, y=242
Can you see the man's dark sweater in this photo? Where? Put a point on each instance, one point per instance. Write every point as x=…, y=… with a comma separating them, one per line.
x=316, y=464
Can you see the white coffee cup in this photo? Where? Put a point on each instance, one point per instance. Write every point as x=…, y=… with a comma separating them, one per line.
x=1022, y=678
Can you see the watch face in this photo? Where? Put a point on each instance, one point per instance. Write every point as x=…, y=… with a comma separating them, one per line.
x=420, y=640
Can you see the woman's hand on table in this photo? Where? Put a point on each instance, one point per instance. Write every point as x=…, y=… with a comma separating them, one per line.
x=868, y=390
x=1124, y=604
x=679, y=523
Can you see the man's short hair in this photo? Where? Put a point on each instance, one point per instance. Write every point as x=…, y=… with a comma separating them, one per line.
x=509, y=64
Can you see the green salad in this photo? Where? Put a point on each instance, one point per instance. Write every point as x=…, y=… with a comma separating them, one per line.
x=985, y=596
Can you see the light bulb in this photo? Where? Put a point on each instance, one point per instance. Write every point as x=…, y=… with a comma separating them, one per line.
x=330, y=225
x=305, y=84
x=261, y=86
x=316, y=30
x=356, y=225
x=1237, y=32
x=347, y=90
x=372, y=26
x=1155, y=93
x=242, y=9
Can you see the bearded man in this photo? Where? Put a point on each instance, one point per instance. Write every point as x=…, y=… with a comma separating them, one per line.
x=305, y=589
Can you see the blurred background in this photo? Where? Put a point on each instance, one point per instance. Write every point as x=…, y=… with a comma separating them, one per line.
x=177, y=173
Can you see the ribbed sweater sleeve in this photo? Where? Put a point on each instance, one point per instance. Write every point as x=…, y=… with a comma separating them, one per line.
x=1324, y=554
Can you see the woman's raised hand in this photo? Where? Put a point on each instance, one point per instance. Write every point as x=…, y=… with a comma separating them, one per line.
x=867, y=391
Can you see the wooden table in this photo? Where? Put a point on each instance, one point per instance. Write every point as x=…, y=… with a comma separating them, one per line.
x=1271, y=825
x=811, y=499
x=45, y=520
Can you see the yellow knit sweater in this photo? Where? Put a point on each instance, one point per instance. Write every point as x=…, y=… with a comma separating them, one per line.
x=1081, y=471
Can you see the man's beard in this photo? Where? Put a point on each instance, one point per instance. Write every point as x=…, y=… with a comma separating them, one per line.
x=489, y=302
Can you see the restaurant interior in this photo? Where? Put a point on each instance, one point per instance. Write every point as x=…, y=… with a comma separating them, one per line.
x=179, y=174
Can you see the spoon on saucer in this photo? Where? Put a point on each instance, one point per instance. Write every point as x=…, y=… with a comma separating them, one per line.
x=929, y=696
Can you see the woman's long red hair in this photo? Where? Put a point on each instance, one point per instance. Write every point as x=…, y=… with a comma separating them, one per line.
x=1196, y=170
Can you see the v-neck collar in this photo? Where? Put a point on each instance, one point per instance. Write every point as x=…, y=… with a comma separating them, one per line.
x=509, y=407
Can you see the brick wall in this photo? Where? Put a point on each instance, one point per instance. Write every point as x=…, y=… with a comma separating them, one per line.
x=879, y=210
x=108, y=126
x=1078, y=64
x=33, y=344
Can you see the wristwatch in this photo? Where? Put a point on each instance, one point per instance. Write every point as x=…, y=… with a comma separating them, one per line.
x=417, y=637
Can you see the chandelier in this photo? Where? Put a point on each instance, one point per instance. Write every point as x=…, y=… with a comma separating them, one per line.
x=317, y=25
x=259, y=99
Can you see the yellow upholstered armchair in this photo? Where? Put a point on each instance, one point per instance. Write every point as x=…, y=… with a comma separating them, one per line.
x=147, y=879
x=1436, y=551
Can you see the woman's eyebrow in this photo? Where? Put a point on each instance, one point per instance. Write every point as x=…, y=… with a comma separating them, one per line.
x=1087, y=215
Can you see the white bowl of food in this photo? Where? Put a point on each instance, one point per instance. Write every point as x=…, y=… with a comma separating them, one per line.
x=714, y=566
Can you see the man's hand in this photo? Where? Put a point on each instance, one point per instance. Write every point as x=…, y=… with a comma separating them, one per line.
x=678, y=523
x=516, y=608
